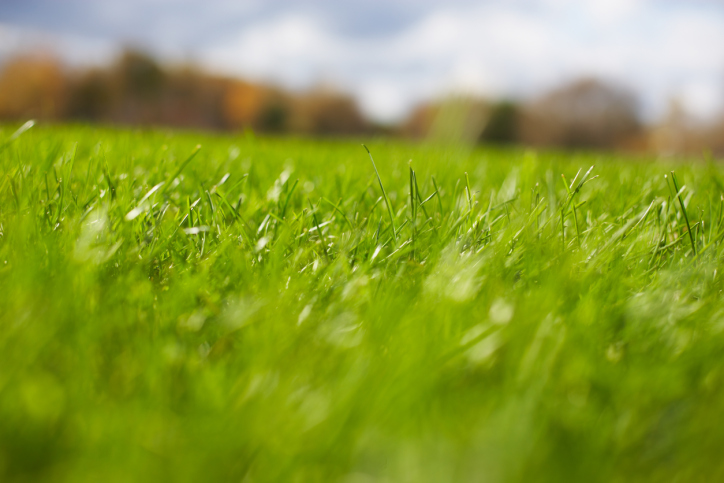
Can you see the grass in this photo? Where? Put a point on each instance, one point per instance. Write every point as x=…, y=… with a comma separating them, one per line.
x=263, y=310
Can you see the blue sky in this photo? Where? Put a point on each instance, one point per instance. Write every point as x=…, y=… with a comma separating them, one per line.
x=392, y=54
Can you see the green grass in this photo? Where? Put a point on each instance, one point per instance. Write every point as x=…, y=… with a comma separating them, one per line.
x=260, y=310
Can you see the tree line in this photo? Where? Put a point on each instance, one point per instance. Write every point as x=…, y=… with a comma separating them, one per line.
x=138, y=90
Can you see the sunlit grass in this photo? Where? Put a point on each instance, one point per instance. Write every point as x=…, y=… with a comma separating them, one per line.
x=286, y=310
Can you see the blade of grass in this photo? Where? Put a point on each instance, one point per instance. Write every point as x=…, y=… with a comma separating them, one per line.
x=384, y=193
x=683, y=210
x=181, y=167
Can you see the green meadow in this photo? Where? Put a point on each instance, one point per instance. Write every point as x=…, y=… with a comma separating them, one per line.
x=178, y=306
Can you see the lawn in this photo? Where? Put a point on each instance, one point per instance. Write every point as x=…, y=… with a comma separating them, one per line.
x=270, y=309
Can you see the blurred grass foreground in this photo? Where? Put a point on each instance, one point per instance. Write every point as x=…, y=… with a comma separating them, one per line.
x=274, y=310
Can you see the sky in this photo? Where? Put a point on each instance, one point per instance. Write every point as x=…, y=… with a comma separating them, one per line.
x=392, y=54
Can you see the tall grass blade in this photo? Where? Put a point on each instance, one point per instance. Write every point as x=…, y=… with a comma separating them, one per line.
x=384, y=194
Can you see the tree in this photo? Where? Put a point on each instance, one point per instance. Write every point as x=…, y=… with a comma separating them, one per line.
x=584, y=114
x=32, y=87
x=502, y=126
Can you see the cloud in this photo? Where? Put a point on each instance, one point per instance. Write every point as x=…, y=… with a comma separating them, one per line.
x=292, y=49
x=74, y=49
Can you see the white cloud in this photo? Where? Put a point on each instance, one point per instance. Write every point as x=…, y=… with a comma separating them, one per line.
x=703, y=98
x=384, y=99
x=612, y=12
x=73, y=49
x=294, y=50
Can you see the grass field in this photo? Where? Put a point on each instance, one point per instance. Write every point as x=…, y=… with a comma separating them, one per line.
x=261, y=310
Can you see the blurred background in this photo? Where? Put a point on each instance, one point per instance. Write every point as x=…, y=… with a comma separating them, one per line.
x=635, y=75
